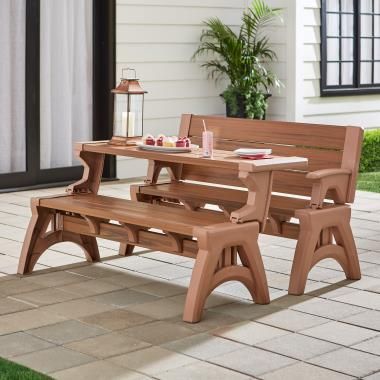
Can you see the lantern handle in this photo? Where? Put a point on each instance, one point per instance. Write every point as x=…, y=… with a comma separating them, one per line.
x=127, y=69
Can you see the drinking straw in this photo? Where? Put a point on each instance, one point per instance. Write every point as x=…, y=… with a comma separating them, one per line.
x=204, y=125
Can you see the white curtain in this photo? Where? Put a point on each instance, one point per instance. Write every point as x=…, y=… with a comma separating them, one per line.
x=66, y=79
x=12, y=86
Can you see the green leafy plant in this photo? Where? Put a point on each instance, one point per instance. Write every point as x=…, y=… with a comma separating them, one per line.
x=370, y=157
x=240, y=57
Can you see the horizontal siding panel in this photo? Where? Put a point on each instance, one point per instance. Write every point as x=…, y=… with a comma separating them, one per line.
x=311, y=89
x=182, y=89
x=136, y=34
x=169, y=52
x=343, y=104
x=175, y=107
x=312, y=35
x=312, y=53
x=136, y=14
x=312, y=70
x=187, y=3
x=167, y=125
x=151, y=71
x=361, y=119
x=312, y=3
x=277, y=107
x=312, y=17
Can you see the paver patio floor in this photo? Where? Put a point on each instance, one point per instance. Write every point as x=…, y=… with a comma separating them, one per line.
x=121, y=318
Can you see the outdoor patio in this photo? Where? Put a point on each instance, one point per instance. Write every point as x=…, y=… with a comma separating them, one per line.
x=121, y=319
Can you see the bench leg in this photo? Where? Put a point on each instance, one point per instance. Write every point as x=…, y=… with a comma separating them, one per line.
x=212, y=268
x=315, y=244
x=126, y=249
x=38, y=238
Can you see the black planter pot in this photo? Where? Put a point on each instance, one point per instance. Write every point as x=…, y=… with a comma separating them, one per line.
x=241, y=107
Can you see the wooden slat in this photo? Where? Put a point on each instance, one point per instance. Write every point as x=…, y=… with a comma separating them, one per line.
x=318, y=158
x=351, y=158
x=139, y=213
x=274, y=132
x=282, y=205
x=221, y=159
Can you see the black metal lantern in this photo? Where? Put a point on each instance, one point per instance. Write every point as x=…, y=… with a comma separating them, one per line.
x=128, y=111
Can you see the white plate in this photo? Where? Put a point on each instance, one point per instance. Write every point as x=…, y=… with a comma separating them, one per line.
x=167, y=149
x=251, y=152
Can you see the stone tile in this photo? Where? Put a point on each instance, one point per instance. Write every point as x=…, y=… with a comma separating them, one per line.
x=98, y=370
x=107, y=345
x=248, y=332
x=135, y=263
x=348, y=361
x=18, y=286
x=327, y=308
x=201, y=370
x=361, y=298
x=46, y=296
x=375, y=376
x=158, y=309
x=159, y=332
x=292, y=320
x=20, y=343
x=128, y=279
x=372, y=346
x=166, y=271
x=161, y=289
x=77, y=308
x=56, y=259
x=122, y=298
x=210, y=321
x=8, y=305
x=252, y=361
x=203, y=346
x=66, y=331
x=302, y=371
x=298, y=346
x=56, y=278
x=166, y=257
x=246, y=310
x=117, y=319
x=370, y=319
x=214, y=299
x=152, y=361
x=340, y=333
x=90, y=288
x=370, y=257
x=26, y=320
x=52, y=359
x=97, y=270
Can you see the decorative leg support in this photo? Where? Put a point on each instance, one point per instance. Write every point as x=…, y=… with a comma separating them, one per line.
x=315, y=244
x=38, y=238
x=216, y=263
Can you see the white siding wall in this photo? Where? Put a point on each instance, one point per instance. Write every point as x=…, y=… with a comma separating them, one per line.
x=158, y=38
x=363, y=110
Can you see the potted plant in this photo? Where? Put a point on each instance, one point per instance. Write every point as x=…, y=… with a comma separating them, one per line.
x=241, y=58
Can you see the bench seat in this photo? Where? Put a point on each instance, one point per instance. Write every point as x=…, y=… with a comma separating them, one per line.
x=234, y=198
x=207, y=235
x=137, y=213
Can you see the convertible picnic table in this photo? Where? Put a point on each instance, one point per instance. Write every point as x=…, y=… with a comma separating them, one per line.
x=214, y=238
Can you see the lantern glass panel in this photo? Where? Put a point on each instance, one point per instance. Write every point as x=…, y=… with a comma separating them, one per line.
x=135, y=128
x=120, y=112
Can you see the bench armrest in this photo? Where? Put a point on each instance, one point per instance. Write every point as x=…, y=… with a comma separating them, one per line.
x=324, y=173
x=335, y=180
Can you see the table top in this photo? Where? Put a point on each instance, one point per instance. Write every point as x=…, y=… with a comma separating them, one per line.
x=221, y=158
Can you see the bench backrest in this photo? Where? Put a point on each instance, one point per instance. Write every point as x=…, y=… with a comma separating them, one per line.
x=326, y=146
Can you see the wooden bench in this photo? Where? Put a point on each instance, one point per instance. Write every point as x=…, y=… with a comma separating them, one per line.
x=206, y=235
x=328, y=187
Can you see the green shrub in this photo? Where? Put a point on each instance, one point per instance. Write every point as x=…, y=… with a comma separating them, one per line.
x=370, y=159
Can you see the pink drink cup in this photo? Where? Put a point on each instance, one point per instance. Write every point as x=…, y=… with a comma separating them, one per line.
x=207, y=143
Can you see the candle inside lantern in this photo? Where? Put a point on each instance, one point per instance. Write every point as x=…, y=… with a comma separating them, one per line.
x=130, y=124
